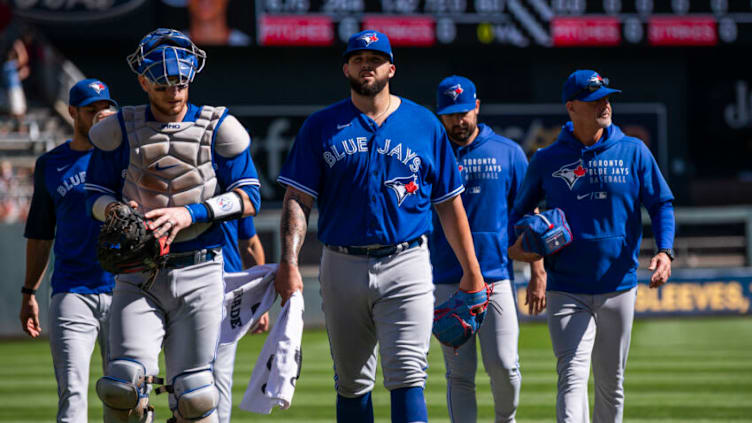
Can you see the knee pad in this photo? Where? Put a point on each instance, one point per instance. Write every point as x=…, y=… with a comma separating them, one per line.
x=124, y=391
x=197, y=397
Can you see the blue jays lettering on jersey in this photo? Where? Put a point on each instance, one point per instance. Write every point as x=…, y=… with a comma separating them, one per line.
x=233, y=230
x=600, y=188
x=107, y=175
x=492, y=169
x=59, y=201
x=373, y=184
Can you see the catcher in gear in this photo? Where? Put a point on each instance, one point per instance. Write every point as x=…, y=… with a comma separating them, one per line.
x=187, y=168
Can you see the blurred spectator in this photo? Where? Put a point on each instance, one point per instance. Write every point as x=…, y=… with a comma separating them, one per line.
x=208, y=24
x=15, y=192
x=15, y=68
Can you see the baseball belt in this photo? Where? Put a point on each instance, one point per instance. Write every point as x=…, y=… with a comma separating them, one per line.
x=380, y=251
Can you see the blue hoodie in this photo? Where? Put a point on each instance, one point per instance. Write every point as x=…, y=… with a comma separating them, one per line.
x=492, y=168
x=600, y=188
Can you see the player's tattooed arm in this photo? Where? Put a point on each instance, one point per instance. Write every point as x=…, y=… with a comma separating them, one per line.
x=296, y=208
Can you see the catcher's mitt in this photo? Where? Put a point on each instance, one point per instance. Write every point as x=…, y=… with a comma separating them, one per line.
x=127, y=245
x=457, y=319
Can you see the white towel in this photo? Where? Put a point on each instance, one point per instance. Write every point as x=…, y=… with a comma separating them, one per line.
x=248, y=295
x=278, y=366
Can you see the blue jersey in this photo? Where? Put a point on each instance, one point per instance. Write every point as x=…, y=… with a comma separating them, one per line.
x=59, y=201
x=492, y=169
x=600, y=189
x=233, y=230
x=107, y=176
x=373, y=184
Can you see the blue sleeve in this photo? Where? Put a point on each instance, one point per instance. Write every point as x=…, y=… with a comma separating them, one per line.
x=246, y=228
x=519, y=167
x=447, y=178
x=104, y=175
x=530, y=192
x=302, y=169
x=238, y=172
x=41, y=221
x=663, y=224
x=657, y=198
x=653, y=187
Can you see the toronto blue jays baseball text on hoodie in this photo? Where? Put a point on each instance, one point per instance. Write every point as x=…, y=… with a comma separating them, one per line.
x=600, y=189
x=59, y=202
x=374, y=184
x=492, y=169
x=107, y=176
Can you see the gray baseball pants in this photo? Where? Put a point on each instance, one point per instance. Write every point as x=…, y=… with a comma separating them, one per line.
x=223, y=370
x=498, y=337
x=585, y=327
x=182, y=312
x=76, y=322
x=385, y=302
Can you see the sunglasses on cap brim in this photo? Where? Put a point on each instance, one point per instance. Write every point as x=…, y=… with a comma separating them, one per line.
x=591, y=87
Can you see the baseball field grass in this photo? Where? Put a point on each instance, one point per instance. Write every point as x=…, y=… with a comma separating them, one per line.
x=690, y=370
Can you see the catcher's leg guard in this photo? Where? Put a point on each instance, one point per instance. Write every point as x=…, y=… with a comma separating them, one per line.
x=196, y=396
x=125, y=392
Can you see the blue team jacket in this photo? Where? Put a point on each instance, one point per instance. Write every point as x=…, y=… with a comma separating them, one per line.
x=600, y=189
x=492, y=168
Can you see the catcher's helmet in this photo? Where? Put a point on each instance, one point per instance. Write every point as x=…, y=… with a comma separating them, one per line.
x=165, y=53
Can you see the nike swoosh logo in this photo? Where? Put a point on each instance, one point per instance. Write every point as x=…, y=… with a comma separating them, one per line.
x=60, y=169
x=343, y=125
x=580, y=197
x=163, y=167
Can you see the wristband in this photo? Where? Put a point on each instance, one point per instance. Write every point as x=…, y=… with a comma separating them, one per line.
x=198, y=212
x=30, y=291
x=224, y=206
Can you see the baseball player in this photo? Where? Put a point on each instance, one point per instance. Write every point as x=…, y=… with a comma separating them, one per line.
x=81, y=290
x=241, y=249
x=188, y=168
x=599, y=177
x=375, y=163
x=492, y=168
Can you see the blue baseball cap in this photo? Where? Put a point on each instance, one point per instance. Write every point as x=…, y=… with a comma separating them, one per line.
x=88, y=91
x=455, y=94
x=369, y=40
x=585, y=85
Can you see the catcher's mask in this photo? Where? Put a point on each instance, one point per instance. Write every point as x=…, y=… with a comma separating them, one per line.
x=167, y=57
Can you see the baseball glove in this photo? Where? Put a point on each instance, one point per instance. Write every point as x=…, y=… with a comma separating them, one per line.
x=127, y=245
x=457, y=319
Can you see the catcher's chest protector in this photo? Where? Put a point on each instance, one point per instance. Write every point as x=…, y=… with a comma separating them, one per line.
x=171, y=163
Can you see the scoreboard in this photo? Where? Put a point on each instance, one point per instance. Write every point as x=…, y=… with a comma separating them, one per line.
x=519, y=23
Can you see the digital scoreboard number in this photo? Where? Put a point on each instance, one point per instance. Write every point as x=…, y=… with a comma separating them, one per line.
x=521, y=23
